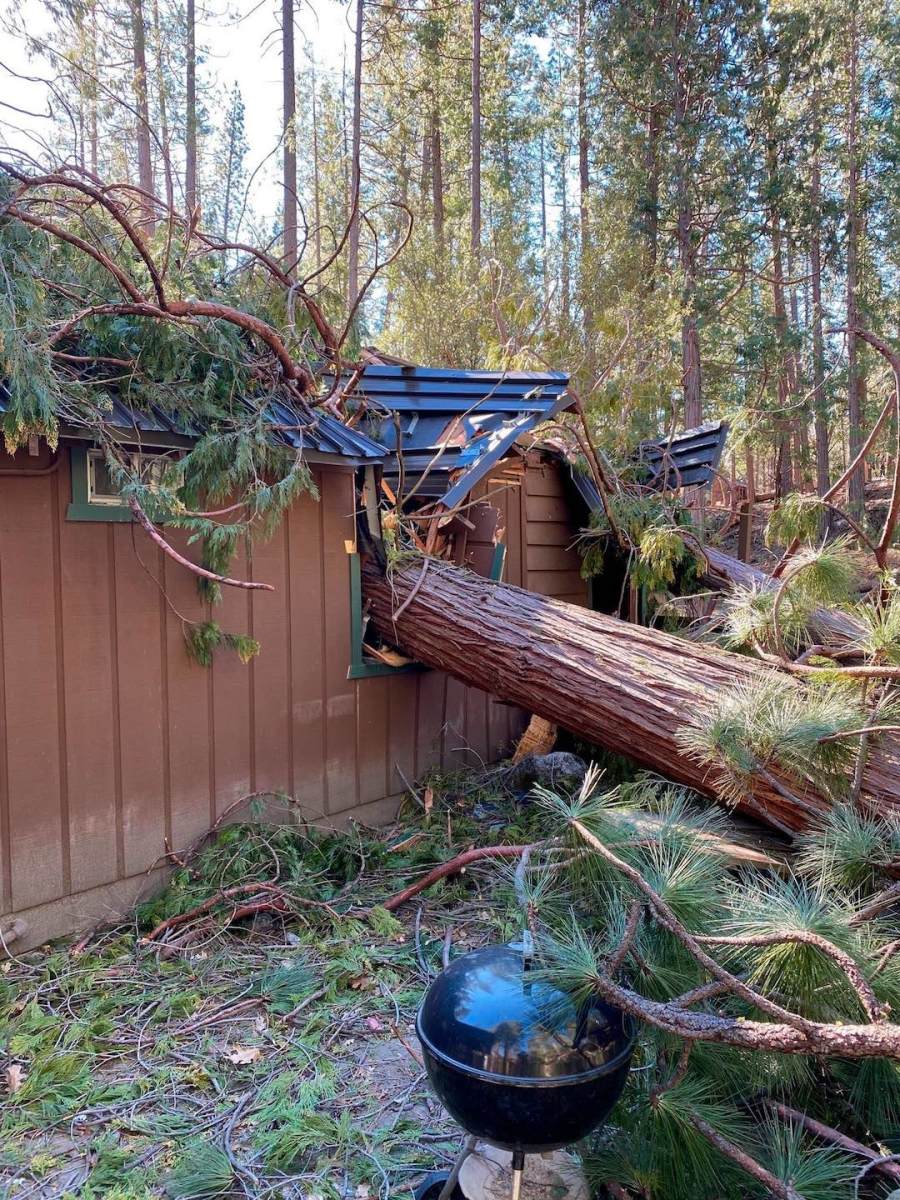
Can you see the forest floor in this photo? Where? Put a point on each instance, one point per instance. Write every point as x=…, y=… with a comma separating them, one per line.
x=274, y=1059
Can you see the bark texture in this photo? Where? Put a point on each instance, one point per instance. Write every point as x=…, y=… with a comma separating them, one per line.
x=621, y=686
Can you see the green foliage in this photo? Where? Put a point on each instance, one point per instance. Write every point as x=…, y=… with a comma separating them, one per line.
x=651, y=1145
x=204, y=639
x=850, y=849
x=777, y=723
x=798, y=516
x=661, y=556
x=816, y=577
x=203, y=1171
x=879, y=640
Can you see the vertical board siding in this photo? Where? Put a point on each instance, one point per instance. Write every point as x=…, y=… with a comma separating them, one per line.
x=272, y=678
x=188, y=703
x=553, y=565
x=38, y=801
x=336, y=510
x=142, y=736
x=116, y=747
x=85, y=604
x=229, y=710
x=307, y=652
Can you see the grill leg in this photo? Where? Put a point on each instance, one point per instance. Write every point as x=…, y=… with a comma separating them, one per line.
x=450, y=1186
x=518, y=1166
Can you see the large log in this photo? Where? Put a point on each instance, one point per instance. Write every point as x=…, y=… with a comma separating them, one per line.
x=620, y=686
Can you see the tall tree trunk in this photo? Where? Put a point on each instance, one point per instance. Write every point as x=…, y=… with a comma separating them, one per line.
x=650, y=215
x=317, y=196
x=476, y=134
x=584, y=179
x=437, y=179
x=691, y=377
x=629, y=689
x=856, y=489
x=784, y=473
x=142, y=130
x=289, y=134
x=818, y=338
x=800, y=402
x=162, y=102
x=355, y=162
x=92, y=115
x=545, y=273
x=190, y=102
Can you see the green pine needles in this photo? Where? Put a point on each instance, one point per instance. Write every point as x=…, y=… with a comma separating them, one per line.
x=778, y=724
x=694, y=1112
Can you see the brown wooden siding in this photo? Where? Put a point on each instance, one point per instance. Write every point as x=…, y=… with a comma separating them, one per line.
x=115, y=746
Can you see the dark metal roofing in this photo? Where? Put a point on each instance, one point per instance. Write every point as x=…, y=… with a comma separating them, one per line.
x=689, y=459
x=324, y=435
x=453, y=425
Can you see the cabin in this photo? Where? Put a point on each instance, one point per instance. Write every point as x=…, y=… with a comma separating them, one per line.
x=117, y=750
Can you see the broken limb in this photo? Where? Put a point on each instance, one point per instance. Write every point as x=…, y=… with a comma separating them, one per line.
x=154, y=534
x=453, y=867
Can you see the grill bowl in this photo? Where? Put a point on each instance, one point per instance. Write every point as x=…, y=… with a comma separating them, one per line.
x=514, y=1060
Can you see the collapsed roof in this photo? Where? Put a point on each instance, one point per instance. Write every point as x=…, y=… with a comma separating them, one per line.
x=687, y=459
x=445, y=429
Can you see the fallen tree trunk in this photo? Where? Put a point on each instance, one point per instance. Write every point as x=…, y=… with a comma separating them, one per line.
x=623, y=687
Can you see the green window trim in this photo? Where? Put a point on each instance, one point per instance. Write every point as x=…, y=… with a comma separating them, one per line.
x=362, y=667
x=81, y=508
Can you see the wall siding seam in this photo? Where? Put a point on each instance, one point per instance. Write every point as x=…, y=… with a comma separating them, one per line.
x=326, y=783
x=114, y=683
x=251, y=675
x=416, y=732
x=166, y=699
x=289, y=651
x=211, y=735
x=6, y=847
x=59, y=637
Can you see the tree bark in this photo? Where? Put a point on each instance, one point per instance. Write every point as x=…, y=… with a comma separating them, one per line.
x=289, y=134
x=142, y=132
x=620, y=686
x=437, y=179
x=355, y=165
x=856, y=485
x=190, y=142
x=584, y=178
x=784, y=473
x=818, y=337
x=691, y=377
x=317, y=197
x=476, y=133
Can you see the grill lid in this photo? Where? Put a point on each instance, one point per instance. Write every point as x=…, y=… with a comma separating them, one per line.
x=491, y=1013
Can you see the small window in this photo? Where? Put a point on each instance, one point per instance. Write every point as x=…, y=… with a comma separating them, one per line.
x=95, y=496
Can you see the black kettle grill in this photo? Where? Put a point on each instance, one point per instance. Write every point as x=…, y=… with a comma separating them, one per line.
x=513, y=1058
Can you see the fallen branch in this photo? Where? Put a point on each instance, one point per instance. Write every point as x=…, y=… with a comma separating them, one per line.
x=774, y=1185
x=453, y=867
x=278, y=899
x=155, y=536
x=827, y=1134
